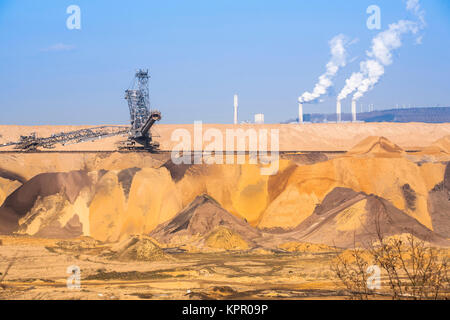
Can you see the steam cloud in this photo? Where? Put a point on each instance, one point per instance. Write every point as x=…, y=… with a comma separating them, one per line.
x=414, y=7
x=380, y=54
x=338, y=60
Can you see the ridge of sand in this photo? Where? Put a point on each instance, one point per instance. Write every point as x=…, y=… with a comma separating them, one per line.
x=376, y=146
x=293, y=137
x=200, y=219
x=225, y=238
x=23, y=199
x=356, y=219
x=121, y=194
x=440, y=146
x=136, y=248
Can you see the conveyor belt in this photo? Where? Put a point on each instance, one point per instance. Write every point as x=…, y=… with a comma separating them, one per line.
x=32, y=142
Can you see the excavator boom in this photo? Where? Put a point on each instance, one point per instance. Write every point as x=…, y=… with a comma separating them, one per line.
x=154, y=116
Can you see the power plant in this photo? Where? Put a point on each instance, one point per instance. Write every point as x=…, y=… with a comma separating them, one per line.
x=142, y=119
x=338, y=111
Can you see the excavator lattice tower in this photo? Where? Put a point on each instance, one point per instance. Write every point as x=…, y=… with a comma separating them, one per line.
x=141, y=116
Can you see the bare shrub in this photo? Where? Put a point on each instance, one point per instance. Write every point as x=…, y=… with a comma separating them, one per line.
x=3, y=275
x=350, y=268
x=412, y=269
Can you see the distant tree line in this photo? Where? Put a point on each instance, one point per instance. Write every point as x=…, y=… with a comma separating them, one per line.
x=426, y=115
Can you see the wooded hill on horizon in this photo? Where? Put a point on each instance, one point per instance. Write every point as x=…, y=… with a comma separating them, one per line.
x=423, y=114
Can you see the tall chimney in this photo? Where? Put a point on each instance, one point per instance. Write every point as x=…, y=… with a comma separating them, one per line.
x=338, y=111
x=300, y=113
x=354, y=110
x=235, y=109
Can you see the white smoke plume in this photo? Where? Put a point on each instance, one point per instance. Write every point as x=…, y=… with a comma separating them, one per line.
x=338, y=60
x=414, y=7
x=380, y=54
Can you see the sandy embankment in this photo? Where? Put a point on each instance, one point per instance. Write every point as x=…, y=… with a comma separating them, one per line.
x=292, y=137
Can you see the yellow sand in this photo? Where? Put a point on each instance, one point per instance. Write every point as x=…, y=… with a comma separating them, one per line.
x=223, y=238
x=153, y=200
x=29, y=165
x=305, y=247
x=107, y=208
x=377, y=146
x=353, y=217
x=7, y=187
x=283, y=200
x=306, y=137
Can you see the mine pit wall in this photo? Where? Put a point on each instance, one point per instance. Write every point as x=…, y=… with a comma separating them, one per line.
x=132, y=193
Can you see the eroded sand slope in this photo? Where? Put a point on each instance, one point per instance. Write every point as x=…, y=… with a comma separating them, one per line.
x=112, y=196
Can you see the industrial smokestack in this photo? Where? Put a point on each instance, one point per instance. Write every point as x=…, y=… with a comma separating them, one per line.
x=354, y=110
x=300, y=113
x=235, y=109
x=338, y=111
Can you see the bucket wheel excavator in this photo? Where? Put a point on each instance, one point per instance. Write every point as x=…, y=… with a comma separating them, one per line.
x=141, y=116
x=139, y=135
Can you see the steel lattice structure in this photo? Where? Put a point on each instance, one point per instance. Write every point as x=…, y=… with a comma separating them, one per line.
x=142, y=118
x=139, y=136
x=139, y=99
x=32, y=142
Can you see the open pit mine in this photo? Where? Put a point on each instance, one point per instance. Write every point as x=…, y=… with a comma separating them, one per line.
x=138, y=226
x=144, y=227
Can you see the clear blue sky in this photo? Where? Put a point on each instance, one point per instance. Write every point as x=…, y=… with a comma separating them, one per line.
x=199, y=54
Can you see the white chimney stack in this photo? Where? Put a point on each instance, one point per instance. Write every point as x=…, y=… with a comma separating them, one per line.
x=338, y=111
x=300, y=113
x=354, y=110
x=235, y=109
